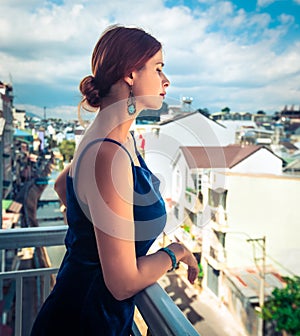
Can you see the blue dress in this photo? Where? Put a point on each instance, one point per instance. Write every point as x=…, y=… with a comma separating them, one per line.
x=80, y=303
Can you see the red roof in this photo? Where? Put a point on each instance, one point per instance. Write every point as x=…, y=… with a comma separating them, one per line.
x=217, y=157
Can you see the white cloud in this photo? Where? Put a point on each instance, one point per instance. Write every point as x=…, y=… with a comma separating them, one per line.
x=286, y=19
x=265, y=3
x=218, y=55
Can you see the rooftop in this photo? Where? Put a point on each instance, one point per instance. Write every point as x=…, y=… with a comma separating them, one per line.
x=217, y=156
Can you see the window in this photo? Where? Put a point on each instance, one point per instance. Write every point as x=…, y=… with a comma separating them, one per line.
x=221, y=237
x=217, y=198
x=176, y=212
x=193, y=218
x=196, y=177
x=213, y=279
x=177, y=182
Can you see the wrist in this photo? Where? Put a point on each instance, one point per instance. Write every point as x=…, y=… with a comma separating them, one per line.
x=172, y=257
x=178, y=250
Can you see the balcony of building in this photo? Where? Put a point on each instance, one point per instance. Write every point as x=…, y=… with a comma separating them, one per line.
x=219, y=220
x=23, y=289
x=192, y=200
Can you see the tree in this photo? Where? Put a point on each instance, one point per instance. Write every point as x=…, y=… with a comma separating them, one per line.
x=67, y=148
x=283, y=307
x=225, y=109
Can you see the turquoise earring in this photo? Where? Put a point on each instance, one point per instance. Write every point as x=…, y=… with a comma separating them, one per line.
x=131, y=108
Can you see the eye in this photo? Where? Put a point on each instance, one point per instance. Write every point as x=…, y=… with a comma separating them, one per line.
x=159, y=70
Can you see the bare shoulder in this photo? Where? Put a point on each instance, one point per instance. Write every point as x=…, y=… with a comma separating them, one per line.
x=111, y=157
x=103, y=169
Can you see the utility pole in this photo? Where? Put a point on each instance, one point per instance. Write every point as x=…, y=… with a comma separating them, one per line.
x=45, y=113
x=262, y=275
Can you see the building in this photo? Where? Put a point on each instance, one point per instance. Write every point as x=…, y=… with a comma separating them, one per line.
x=200, y=177
x=6, y=112
x=222, y=197
x=19, y=118
x=163, y=139
x=227, y=115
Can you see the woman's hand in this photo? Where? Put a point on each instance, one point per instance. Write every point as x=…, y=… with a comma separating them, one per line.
x=187, y=257
x=190, y=260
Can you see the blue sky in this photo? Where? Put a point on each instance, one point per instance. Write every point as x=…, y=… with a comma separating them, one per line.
x=240, y=54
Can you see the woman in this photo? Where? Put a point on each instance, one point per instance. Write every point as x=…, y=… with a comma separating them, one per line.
x=114, y=207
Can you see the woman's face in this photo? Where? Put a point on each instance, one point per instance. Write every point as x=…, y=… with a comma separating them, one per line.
x=150, y=83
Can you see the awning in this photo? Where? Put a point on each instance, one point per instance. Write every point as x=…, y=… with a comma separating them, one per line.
x=9, y=220
x=21, y=135
x=15, y=207
x=33, y=157
x=23, y=140
x=247, y=281
x=11, y=205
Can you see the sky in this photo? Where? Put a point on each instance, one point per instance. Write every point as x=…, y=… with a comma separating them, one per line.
x=244, y=55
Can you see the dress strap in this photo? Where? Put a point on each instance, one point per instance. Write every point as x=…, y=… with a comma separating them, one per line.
x=113, y=141
x=98, y=140
x=135, y=146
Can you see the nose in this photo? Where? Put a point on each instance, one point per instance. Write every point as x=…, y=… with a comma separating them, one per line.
x=166, y=82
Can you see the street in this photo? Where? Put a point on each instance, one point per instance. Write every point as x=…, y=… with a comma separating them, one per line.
x=207, y=315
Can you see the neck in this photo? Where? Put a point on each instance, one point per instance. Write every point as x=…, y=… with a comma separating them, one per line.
x=113, y=120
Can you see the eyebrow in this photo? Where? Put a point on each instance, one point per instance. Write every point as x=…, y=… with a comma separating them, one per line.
x=161, y=63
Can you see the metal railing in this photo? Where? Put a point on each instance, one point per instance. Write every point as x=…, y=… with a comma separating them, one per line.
x=159, y=312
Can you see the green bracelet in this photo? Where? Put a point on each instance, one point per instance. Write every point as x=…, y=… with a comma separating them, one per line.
x=171, y=255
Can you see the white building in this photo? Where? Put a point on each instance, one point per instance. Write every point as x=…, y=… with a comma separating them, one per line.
x=19, y=118
x=162, y=141
x=201, y=174
x=262, y=205
x=78, y=133
x=232, y=194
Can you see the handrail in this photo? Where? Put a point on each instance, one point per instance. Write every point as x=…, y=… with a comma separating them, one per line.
x=32, y=236
x=160, y=313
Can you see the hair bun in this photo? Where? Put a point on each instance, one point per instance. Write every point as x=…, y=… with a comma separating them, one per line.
x=90, y=91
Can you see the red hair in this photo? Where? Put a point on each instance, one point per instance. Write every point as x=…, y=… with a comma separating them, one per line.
x=118, y=52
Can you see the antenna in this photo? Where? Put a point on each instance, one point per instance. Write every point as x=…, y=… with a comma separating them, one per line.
x=10, y=78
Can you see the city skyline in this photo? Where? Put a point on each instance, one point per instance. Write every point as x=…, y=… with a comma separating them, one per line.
x=244, y=55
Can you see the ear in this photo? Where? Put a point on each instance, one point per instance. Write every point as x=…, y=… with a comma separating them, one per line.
x=129, y=79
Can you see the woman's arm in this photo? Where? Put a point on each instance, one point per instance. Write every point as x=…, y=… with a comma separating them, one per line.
x=111, y=210
x=60, y=184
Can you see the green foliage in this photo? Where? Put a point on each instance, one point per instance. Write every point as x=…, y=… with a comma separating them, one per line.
x=283, y=307
x=61, y=165
x=67, y=148
x=200, y=274
x=225, y=109
x=186, y=228
x=191, y=190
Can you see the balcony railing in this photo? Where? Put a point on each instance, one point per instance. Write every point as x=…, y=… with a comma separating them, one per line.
x=219, y=218
x=159, y=312
x=192, y=202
